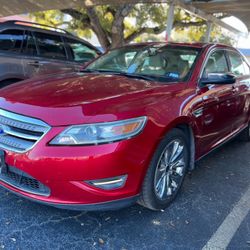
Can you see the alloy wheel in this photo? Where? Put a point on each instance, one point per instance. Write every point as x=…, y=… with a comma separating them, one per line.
x=170, y=170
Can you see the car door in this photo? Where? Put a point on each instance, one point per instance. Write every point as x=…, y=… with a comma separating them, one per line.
x=79, y=52
x=216, y=115
x=30, y=59
x=52, y=54
x=240, y=68
x=11, y=67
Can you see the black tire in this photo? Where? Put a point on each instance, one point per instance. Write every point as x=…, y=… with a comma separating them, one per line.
x=149, y=197
x=245, y=134
x=8, y=82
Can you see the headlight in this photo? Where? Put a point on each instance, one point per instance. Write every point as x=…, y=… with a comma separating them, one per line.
x=99, y=133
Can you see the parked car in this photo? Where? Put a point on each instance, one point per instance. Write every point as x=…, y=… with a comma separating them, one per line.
x=30, y=49
x=126, y=129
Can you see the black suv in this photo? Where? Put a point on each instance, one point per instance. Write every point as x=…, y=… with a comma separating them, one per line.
x=29, y=49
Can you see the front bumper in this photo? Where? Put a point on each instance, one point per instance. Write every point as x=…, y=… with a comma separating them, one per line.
x=66, y=170
x=102, y=206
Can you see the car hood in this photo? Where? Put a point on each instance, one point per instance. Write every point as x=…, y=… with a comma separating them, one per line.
x=75, y=98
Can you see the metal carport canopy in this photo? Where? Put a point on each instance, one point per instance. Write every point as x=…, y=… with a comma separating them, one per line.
x=239, y=8
x=204, y=9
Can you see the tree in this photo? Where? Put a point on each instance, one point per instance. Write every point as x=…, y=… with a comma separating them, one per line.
x=118, y=25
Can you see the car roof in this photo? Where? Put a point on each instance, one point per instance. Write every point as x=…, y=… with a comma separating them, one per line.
x=36, y=27
x=32, y=26
x=189, y=45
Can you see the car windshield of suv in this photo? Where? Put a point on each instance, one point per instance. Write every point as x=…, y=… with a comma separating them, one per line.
x=162, y=63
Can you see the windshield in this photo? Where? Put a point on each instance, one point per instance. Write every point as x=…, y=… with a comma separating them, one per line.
x=166, y=63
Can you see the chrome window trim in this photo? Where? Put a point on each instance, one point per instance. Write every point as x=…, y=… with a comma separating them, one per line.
x=26, y=120
x=214, y=49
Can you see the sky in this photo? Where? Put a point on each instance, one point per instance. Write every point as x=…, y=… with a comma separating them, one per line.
x=236, y=23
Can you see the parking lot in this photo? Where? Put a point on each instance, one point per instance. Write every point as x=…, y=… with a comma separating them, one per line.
x=209, y=194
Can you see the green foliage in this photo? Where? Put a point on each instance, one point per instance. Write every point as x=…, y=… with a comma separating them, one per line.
x=50, y=17
x=58, y=19
x=106, y=17
x=150, y=16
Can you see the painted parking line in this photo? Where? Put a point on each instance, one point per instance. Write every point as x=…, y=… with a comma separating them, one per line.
x=224, y=234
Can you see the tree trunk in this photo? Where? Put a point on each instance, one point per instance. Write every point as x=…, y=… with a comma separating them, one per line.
x=117, y=36
x=97, y=28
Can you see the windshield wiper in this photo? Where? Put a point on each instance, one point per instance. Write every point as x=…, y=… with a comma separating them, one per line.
x=99, y=71
x=132, y=75
x=138, y=76
x=89, y=71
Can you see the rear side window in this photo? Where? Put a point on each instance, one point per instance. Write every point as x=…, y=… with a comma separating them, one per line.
x=11, y=40
x=80, y=52
x=50, y=46
x=237, y=66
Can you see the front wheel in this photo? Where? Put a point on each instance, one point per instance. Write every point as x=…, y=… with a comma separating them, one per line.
x=166, y=171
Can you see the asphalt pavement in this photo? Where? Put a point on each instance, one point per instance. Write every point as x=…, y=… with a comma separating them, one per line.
x=212, y=205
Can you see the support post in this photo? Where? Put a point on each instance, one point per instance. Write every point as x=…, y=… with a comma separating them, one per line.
x=208, y=32
x=170, y=21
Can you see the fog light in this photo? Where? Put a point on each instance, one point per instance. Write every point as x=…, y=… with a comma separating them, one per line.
x=109, y=183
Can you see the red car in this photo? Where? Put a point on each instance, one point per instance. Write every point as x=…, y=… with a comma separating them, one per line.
x=126, y=129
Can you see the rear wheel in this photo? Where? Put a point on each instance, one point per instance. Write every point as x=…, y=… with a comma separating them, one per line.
x=8, y=82
x=166, y=172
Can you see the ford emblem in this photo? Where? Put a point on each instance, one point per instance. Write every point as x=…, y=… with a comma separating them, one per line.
x=2, y=129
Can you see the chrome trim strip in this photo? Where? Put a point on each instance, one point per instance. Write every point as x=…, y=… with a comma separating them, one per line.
x=10, y=131
x=12, y=149
x=19, y=141
x=212, y=50
x=24, y=119
x=209, y=53
x=198, y=112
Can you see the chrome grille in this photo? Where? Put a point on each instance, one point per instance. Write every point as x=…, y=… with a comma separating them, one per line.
x=20, y=133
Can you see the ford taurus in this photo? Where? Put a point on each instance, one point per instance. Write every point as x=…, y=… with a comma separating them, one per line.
x=126, y=129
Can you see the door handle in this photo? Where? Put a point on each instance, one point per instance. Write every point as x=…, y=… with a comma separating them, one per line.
x=34, y=63
x=235, y=89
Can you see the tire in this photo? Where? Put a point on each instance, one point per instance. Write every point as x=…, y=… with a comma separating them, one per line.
x=245, y=134
x=8, y=82
x=175, y=167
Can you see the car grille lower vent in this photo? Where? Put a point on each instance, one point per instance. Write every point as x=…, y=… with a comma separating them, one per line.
x=22, y=181
x=20, y=133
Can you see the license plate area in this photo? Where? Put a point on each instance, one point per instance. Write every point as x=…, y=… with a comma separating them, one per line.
x=20, y=180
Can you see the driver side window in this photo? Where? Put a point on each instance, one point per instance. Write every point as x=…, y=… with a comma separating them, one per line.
x=216, y=64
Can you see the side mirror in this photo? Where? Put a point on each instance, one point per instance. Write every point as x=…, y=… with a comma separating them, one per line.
x=217, y=78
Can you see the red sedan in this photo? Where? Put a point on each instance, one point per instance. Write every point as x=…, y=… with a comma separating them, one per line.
x=125, y=129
